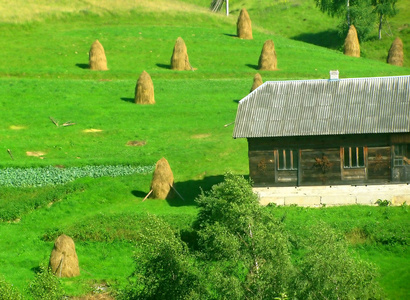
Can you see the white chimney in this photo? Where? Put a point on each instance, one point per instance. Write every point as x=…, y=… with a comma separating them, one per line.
x=334, y=75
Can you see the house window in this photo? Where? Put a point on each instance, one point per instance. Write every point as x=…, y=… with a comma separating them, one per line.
x=287, y=159
x=353, y=157
x=400, y=155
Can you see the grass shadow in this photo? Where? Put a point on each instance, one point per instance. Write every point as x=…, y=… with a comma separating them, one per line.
x=126, y=99
x=83, y=66
x=164, y=66
x=139, y=194
x=191, y=189
x=231, y=35
x=255, y=67
x=329, y=39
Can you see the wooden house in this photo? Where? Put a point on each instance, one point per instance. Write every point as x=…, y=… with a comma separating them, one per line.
x=353, y=131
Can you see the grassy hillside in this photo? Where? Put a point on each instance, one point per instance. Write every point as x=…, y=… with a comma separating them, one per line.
x=301, y=20
x=44, y=73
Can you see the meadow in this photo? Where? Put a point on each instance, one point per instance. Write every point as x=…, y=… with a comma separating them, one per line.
x=44, y=74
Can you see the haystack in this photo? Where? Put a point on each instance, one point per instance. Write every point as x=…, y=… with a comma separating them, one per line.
x=144, y=90
x=257, y=81
x=396, y=55
x=162, y=181
x=97, y=59
x=352, y=45
x=63, y=259
x=267, y=59
x=244, y=25
x=179, y=59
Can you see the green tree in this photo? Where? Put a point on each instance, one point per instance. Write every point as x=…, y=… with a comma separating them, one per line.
x=246, y=248
x=242, y=252
x=164, y=268
x=362, y=17
x=384, y=9
x=360, y=13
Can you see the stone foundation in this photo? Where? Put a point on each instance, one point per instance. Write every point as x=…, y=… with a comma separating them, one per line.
x=317, y=196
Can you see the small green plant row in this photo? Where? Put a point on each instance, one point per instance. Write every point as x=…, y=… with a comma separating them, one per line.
x=37, y=177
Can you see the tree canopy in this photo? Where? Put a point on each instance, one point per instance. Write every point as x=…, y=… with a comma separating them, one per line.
x=242, y=252
x=360, y=13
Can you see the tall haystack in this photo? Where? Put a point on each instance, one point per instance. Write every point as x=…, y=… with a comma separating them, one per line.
x=162, y=181
x=396, y=55
x=257, y=81
x=267, y=59
x=63, y=259
x=352, y=45
x=144, y=90
x=179, y=59
x=244, y=25
x=97, y=59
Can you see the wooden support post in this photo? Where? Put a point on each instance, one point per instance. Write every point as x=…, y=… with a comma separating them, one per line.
x=147, y=195
x=54, y=121
x=11, y=155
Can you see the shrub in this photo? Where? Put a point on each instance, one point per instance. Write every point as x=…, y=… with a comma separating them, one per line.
x=164, y=269
x=8, y=291
x=45, y=286
x=381, y=202
x=328, y=270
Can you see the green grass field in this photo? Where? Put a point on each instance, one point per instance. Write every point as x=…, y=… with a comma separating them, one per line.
x=44, y=73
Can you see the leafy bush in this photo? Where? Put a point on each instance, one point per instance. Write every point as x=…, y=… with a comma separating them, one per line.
x=328, y=270
x=242, y=252
x=8, y=291
x=45, y=285
x=388, y=233
x=37, y=177
x=164, y=269
x=381, y=202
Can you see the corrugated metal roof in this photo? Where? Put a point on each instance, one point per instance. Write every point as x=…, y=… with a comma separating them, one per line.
x=325, y=107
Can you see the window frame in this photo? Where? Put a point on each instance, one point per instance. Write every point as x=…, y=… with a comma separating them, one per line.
x=283, y=164
x=356, y=157
x=401, y=156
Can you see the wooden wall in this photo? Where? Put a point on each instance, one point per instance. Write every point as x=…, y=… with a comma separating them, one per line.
x=378, y=162
x=313, y=173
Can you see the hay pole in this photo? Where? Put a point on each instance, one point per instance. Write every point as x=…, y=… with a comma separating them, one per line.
x=229, y=124
x=68, y=123
x=54, y=121
x=11, y=155
x=176, y=192
x=60, y=266
x=147, y=195
x=192, y=68
x=86, y=271
x=65, y=124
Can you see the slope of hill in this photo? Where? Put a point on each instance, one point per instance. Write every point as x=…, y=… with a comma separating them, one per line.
x=44, y=73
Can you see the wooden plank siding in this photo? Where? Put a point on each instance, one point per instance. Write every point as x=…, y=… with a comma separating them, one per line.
x=379, y=163
x=321, y=161
x=314, y=174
